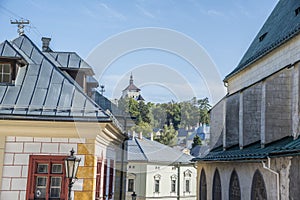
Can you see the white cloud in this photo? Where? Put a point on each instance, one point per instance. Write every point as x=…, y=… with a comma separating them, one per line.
x=113, y=13
x=145, y=12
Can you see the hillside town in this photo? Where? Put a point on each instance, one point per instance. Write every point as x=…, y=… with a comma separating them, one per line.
x=63, y=138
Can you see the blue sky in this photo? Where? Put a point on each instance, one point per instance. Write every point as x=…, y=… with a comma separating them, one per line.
x=223, y=28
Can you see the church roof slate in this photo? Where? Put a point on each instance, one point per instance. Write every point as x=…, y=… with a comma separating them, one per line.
x=282, y=25
x=283, y=147
x=42, y=89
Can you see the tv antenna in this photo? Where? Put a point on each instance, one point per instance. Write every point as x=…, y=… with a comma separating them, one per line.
x=21, y=24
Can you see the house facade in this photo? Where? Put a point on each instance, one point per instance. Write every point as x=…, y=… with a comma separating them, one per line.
x=156, y=171
x=46, y=111
x=254, y=129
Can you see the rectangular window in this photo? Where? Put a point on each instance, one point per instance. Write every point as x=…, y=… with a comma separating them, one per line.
x=173, y=185
x=46, y=178
x=130, y=185
x=156, y=186
x=98, y=179
x=5, y=73
x=187, y=185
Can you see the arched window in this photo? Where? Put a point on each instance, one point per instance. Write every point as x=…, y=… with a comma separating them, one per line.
x=234, y=187
x=202, y=189
x=258, y=189
x=217, y=188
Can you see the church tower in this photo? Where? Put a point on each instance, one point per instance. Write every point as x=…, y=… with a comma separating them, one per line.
x=132, y=91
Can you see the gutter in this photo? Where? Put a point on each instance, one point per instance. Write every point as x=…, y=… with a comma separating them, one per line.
x=274, y=172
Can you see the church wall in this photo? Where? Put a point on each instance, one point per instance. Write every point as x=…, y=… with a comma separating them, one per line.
x=294, y=178
x=279, y=58
x=252, y=97
x=245, y=172
x=217, y=120
x=278, y=106
x=232, y=120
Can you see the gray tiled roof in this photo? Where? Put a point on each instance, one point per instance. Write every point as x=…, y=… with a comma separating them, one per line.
x=282, y=25
x=145, y=150
x=42, y=90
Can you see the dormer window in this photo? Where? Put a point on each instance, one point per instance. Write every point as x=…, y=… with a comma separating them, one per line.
x=297, y=11
x=262, y=37
x=9, y=68
x=5, y=73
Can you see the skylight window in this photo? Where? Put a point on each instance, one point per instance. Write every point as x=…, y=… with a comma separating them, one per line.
x=297, y=11
x=262, y=37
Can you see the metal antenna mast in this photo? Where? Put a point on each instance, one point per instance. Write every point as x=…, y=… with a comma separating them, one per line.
x=20, y=24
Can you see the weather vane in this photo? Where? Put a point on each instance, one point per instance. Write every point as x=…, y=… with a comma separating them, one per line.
x=20, y=24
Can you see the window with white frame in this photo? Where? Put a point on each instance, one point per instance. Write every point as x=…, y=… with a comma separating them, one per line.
x=187, y=180
x=130, y=185
x=173, y=183
x=157, y=183
x=5, y=73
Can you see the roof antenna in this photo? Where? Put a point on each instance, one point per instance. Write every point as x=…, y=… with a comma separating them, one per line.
x=20, y=24
x=102, y=90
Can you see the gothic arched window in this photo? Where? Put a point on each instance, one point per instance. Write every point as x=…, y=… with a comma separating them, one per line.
x=258, y=188
x=202, y=189
x=234, y=187
x=217, y=188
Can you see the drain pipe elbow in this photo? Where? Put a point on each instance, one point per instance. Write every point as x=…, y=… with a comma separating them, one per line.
x=274, y=172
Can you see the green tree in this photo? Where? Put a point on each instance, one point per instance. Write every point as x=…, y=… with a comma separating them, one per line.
x=143, y=127
x=168, y=136
x=204, y=107
x=196, y=141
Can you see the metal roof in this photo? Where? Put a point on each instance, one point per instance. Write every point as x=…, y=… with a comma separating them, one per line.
x=69, y=60
x=282, y=25
x=41, y=88
x=145, y=150
x=282, y=147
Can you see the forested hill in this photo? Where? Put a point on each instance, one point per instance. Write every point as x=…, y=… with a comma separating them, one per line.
x=165, y=117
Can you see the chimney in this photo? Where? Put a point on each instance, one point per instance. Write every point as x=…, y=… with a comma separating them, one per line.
x=46, y=42
x=141, y=135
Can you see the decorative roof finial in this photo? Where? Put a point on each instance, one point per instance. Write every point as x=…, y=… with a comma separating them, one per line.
x=131, y=79
x=20, y=24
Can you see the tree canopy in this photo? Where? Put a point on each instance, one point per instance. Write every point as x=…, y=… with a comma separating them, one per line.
x=166, y=117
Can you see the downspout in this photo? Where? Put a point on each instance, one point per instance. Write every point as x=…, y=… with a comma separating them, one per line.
x=124, y=152
x=274, y=172
x=178, y=181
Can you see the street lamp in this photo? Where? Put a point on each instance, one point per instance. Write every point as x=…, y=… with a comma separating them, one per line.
x=133, y=196
x=71, y=164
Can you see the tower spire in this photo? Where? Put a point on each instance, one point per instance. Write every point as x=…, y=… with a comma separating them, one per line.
x=131, y=79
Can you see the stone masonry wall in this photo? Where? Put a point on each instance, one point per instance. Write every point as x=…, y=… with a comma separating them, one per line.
x=217, y=116
x=252, y=114
x=232, y=120
x=278, y=119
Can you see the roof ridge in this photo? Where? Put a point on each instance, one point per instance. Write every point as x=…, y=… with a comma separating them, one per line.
x=141, y=148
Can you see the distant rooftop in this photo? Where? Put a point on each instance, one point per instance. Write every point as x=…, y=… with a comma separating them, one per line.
x=145, y=150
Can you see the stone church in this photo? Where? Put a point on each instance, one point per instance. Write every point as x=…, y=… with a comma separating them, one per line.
x=255, y=142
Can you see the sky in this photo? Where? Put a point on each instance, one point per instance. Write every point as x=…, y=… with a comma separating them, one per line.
x=175, y=49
